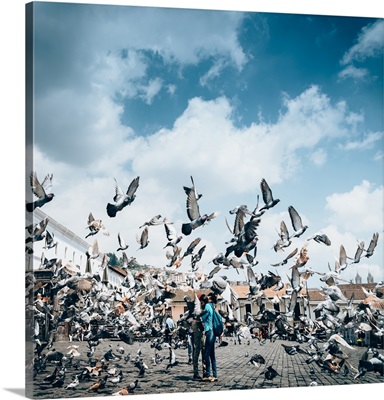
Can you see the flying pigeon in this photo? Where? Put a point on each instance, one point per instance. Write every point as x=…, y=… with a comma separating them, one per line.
x=37, y=232
x=284, y=239
x=156, y=220
x=172, y=236
x=43, y=191
x=193, y=213
x=50, y=243
x=268, y=199
x=290, y=255
x=143, y=239
x=191, y=247
x=122, y=199
x=372, y=245
x=122, y=245
x=95, y=226
x=297, y=223
x=321, y=238
x=358, y=253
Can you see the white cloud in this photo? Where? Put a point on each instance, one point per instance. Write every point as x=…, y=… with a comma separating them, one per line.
x=378, y=156
x=226, y=162
x=368, y=142
x=360, y=210
x=353, y=72
x=213, y=72
x=116, y=54
x=78, y=128
x=148, y=92
x=319, y=157
x=369, y=43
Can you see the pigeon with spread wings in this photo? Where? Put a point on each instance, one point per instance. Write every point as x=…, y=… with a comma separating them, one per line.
x=193, y=213
x=95, y=226
x=269, y=200
x=297, y=222
x=372, y=245
x=43, y=191
x=122, y=199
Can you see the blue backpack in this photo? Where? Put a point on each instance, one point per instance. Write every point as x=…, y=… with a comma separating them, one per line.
x=217, y=323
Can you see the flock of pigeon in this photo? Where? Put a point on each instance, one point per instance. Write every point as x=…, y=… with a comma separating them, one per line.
x=136, y=308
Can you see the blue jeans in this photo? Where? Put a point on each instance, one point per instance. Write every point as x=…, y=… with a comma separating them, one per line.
x=209, y=353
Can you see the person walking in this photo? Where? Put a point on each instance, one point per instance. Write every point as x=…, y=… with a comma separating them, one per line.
x=207, y=304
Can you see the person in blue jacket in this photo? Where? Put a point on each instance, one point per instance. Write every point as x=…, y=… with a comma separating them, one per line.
x=207, y=304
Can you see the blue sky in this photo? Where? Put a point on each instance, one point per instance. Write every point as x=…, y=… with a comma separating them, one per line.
x=227, y=97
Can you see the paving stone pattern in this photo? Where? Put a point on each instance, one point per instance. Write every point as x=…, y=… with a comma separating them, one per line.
x=234, y=370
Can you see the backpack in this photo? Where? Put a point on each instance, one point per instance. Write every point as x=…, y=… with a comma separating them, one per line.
x=217, y=323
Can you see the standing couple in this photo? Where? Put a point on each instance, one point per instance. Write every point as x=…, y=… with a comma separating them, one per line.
x=204, y=323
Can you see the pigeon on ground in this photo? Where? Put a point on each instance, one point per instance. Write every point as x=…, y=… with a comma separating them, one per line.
x=270, y=373
x=74, y=383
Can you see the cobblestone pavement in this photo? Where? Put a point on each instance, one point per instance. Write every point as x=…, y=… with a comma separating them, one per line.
x=234, y=370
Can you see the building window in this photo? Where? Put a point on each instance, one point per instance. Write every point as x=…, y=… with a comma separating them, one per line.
x=248, y=308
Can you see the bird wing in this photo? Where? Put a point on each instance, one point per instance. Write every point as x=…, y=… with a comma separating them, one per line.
x=340, y=340
x=90, y=218
x=170, y=231
x=266, y=191
x=118, y=192
x=47, y=183
x=214, y=271
x=251, y=277
x=229, y=228
x=120, y=240
x=295, y=218
x=250, y=229
x=373, y=242
x=41, y=227
x=201, y=250
x=284, y=235
x=192, y=206
x=37, y=188
x=342, y=255
x=84, y=284
x=48, y=238
x=133, y=187
x=239, y=222
x=144, y=237
x=192, y=245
